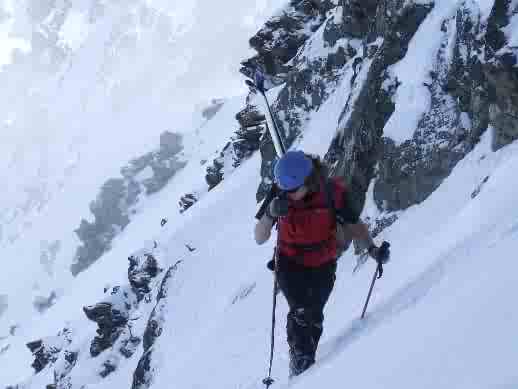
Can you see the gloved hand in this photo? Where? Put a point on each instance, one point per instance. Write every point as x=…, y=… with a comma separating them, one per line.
x=278, y=207
x=380, y=254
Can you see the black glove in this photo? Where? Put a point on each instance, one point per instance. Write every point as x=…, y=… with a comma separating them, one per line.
x=380, y=254
x=278, y=207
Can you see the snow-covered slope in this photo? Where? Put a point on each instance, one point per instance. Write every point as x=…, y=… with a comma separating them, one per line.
x=442, y=316
x=103, y=80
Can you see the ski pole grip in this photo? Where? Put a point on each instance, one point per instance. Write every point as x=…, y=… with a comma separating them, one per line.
x=385, y=245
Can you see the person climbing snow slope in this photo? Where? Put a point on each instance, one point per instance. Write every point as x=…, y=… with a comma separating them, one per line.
x=308, y=209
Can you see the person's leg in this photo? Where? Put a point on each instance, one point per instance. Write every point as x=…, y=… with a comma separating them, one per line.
x=294, y=286
x=322, y=283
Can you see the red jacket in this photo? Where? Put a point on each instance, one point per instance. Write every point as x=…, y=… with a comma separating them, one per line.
x=307, y=235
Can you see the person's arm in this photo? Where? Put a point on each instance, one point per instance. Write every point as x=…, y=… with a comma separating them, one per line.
x=360, y=233
x=352, y=224
x=263, y=229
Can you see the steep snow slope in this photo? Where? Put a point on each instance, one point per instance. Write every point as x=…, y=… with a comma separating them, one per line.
x=125, y=73
x=442, y=316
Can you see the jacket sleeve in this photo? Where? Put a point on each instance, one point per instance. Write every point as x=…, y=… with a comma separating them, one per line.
x=263, y=229
x=345, y=212
x=349, y=218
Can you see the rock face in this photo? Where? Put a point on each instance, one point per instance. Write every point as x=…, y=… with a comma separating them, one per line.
x=114, y=205
x=314, y=49
x=245, y=141
x=411, y=171
x=46, y=351
x=121, y=318
x=141, y=272
x=315, y=68
x=187, y=201
x=501, y=72
x=472, y=86
x=279, y=39
x=358, y=148
x=215, y=171
x=143, y=376
x=111, y=317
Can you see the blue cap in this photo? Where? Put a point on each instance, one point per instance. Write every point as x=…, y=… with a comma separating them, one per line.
x=292, y=169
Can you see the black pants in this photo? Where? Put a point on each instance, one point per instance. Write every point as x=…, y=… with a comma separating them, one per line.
x=307, y=291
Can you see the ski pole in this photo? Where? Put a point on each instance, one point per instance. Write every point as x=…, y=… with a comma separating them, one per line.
x=280, y=149
x=378, y=270
x=268, y=381
x=377, y=274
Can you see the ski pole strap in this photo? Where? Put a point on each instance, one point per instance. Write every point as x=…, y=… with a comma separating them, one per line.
x=379, y=270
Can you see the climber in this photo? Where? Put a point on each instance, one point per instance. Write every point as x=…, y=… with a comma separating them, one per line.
x=308, y=211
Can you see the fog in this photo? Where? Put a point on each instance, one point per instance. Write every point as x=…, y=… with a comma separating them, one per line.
x=100, y=72
x=87, y=85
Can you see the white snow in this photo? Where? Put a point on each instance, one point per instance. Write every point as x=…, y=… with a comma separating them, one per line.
x=511, y=32
x=443, y=316
x=9, y=43
x=485, y=8
x=75, y=30
x=412, y=97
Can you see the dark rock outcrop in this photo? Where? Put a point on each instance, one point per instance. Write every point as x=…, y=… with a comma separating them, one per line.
x=502, y=75
x=115, y=203
x=43, y=354
x=473, y=84
x=187, y=201
x=358, y=147
x=143, y=376
x=141, y=270
x=313, y=75
x=46, y=351
x=410, y=172
x=280, y=38
x=358, y=16
x=63, y=368
x=215, y=171
x=111, y=316
x=243, y=143
x=247, y=139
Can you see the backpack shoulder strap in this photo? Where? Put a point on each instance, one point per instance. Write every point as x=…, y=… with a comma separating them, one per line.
x=330, y=195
